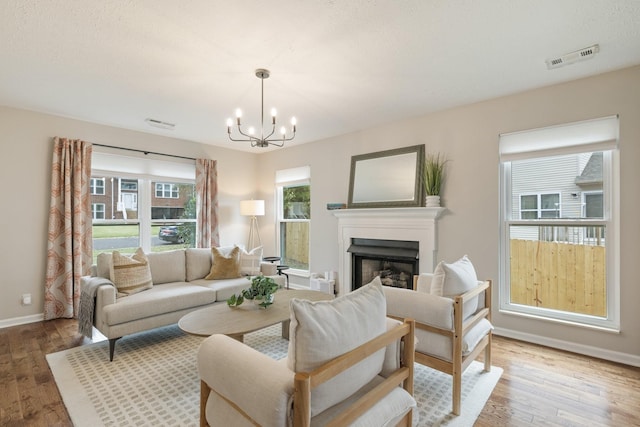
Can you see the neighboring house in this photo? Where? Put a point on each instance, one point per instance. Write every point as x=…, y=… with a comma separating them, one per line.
x=553, y=188
x=117, y=199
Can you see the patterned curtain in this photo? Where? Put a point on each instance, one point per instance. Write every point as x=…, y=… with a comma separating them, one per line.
x=69, y=245
x=207, y=235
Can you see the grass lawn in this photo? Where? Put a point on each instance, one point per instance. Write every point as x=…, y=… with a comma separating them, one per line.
x=106, y=231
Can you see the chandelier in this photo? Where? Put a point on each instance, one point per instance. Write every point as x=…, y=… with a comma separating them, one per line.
x=263, y=140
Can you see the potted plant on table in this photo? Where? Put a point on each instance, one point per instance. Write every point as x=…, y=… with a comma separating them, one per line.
x=261, y=292
x=433, y=177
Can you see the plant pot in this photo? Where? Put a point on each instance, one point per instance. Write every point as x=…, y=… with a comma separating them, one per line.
x=433, y=201
x=264, y=303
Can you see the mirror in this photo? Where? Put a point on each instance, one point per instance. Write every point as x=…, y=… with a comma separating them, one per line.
x=389, y=178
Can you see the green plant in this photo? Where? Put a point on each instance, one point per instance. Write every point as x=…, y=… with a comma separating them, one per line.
x=433, y=173
x=262, y=288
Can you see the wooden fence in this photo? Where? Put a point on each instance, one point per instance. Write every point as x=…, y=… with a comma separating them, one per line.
x=559, y=276
x=297, y=244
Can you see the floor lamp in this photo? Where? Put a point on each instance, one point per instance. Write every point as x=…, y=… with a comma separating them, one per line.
x=254, y=209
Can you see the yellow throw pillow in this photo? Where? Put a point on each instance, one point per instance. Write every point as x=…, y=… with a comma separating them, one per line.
x=224, y=267
x=130, y=274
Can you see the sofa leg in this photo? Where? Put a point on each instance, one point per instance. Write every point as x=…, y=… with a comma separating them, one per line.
x=112, y=347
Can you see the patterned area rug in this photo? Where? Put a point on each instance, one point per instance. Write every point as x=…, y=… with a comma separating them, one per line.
x=153, y=381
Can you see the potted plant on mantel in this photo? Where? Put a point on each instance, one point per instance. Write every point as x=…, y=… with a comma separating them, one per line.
x=433, y=177
x=261, y=292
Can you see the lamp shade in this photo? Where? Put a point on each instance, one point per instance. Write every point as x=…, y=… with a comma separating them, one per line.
x=252, y=207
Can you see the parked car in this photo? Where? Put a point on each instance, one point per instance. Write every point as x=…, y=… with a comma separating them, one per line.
x=170, y=233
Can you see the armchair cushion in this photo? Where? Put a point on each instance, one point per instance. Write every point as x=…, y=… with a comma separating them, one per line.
x=239, y=373
x=323, y=330
x=454, y=279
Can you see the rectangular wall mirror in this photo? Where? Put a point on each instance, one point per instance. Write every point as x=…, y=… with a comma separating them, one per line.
x=390, y=178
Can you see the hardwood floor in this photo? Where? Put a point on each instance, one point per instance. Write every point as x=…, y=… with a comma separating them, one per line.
x=539, y=386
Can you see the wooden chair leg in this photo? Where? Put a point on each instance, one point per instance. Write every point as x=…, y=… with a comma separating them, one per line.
x=487, y=355
x=204, y=396
x=457, y=388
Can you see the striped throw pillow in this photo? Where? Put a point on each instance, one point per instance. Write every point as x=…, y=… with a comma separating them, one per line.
x=130, y=274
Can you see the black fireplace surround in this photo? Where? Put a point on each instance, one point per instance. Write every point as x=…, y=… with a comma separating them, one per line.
x=395, y=261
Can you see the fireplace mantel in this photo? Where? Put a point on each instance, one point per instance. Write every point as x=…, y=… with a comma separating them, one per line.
x=414, y=224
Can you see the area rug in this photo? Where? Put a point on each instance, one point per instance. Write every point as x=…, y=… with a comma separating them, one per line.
x=153, y=381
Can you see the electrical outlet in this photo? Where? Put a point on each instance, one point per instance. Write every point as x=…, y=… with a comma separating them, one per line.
x=26, y=299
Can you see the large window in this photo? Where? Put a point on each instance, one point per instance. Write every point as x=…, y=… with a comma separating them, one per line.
x=559, y=209
x=140, y=209
x=293, y=192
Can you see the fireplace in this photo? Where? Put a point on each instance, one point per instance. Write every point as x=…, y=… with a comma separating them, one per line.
x=395, y=261
x=406, y=224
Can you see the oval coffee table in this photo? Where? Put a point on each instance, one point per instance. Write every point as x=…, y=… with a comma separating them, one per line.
x=248, y=317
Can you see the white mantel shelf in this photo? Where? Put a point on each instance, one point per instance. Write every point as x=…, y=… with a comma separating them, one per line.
x=427, y=213
x=412, y=224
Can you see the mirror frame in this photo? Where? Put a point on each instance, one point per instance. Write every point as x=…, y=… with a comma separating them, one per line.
x=358, y=162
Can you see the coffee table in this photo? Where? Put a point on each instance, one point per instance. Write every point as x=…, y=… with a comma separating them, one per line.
x=248, y=317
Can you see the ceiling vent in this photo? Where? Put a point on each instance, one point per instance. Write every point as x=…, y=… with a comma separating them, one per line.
x=570, y=58
x=160, y=124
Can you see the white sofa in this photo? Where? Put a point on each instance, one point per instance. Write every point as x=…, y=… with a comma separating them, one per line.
x=179, y=287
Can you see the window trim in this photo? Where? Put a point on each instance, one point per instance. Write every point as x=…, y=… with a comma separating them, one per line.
x=93, y=211
x=611, y=220
x=300, y=176
x=93, y=186
x=539, y=208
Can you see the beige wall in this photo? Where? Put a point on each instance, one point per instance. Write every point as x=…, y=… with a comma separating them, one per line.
x=469, y=137
x=25, y=171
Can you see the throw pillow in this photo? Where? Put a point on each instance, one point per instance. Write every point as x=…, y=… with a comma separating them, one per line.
x=450, y=280
x=224, y=266
x=132, y=274
x=322, y=330
x=250, y=261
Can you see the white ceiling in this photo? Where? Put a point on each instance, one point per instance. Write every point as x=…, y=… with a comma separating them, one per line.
x=337, y=65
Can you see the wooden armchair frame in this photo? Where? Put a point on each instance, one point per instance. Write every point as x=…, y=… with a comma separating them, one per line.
x=305, y=382
x=461, y=327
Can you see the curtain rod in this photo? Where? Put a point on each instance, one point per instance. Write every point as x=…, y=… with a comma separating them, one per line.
x=145, y=152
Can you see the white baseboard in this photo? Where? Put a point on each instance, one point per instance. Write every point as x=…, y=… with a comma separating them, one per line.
x=600, y=353
x=6, y=323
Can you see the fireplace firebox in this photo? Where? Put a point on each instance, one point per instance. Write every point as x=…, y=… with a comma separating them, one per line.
x=395, y=261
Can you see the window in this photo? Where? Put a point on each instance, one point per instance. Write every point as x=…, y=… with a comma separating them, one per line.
x=293, y=192
x=559, y=198
x=97, y=210
x=131, y=215
x=536, y=206
x=166, y=191
x=97, y=186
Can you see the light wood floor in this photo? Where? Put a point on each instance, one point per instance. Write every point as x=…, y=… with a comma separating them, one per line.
x=540, y=386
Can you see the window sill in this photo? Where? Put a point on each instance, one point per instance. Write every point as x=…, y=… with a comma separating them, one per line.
x=610, y=329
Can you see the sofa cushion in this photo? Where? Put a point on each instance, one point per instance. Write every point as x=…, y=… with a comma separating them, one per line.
x=198, y=262
x=224, y=266
x=132, y=274
x=250, y=261
x=161, y=299
x=168, y=266
x=323, y=330
x=450, y=280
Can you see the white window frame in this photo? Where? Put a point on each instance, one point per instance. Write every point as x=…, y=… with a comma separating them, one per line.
x=539, y=208
x=587, y=136
x=289, y=178
x=94, y=211
x=93, y=184
x=167, y=190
